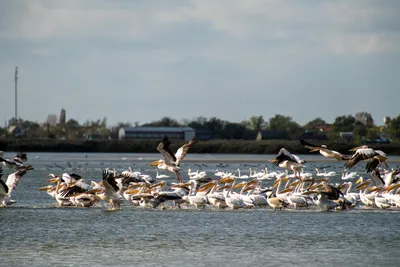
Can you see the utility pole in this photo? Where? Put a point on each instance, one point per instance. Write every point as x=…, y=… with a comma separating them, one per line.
x=16, y=99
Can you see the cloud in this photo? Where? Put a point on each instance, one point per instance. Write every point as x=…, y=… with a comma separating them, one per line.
x=226, y=58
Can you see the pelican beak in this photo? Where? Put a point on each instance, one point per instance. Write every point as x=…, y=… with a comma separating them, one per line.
x=71, y=184
x=131, y=191
x=289, y=189
x=225, y=180
x=162, y=183
x=273, y=160
x=394, y=186
x=342, y=187
x=252, y=182
x=45, y=188
x=207, y=185
x=239, y=185
x=314, y=150
x=53, y=180
x=359, y=180
x=94, y=191
x=362, y=185
x=295, y=183
x=155, y=163
x=222, y=187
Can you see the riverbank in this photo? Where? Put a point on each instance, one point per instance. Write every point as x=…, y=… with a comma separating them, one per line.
x=149, y=146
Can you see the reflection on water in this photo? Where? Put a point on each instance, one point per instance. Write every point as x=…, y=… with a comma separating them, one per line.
x=36, y=233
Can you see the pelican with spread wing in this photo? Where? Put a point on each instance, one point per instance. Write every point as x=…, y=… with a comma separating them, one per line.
x=373, y=157
x=6, y=188
x=171, y=161
x=289, y=161
x=324, y=151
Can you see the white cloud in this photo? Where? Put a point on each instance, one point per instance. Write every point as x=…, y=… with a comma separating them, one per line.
x=240, y=52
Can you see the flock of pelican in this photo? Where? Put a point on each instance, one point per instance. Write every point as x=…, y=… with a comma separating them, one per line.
x=226, y=190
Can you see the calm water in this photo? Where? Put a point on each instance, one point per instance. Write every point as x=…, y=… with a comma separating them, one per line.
x=34, y=232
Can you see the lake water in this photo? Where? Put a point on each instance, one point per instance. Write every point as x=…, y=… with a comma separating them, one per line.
x=34, y=232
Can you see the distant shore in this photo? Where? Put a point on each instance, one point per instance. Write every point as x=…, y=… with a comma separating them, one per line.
x=149, y=146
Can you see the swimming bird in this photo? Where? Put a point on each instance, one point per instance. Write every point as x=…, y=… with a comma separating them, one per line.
x=171, y=161
x=374, y=157
x=289, y=161
x=324, y=151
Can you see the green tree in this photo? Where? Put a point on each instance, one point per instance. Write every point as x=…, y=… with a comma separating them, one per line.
x=313, y=124
x=233, y=130
x=285, y=125
x=344, y=124
x=395, y=126
x=365, y=118
x=163, y=122
x=256, y=123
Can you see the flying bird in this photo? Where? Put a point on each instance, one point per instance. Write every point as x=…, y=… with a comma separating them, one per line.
x=288, y=161
x=171, y=161
x=324, y=151
x=16, y=163
x=6, y=188
x=374, y=157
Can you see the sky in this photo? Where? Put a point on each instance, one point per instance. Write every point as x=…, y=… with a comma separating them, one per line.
x=141, y=60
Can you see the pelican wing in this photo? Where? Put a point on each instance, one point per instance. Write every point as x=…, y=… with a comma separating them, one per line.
x=338, y=155
x=286, y=155
x=72, y=190
x=308, y=145
x=3, y=186
x=13, y=180
x=372, y=164
x=361, y=154
x=183, y=150
x=21, y=156
x=109, y=182
x=377, y=177
x=163, y=148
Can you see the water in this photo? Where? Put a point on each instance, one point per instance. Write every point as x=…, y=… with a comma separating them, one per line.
x=34, y=232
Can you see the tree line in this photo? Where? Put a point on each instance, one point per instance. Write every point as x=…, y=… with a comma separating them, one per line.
x=361, y=125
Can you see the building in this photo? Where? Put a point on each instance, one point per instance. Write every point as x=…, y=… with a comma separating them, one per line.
x=156, y=133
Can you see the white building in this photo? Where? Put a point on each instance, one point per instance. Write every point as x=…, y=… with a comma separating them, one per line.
x=156, y=133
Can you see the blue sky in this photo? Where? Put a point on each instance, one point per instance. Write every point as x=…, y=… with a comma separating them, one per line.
x=145, y=59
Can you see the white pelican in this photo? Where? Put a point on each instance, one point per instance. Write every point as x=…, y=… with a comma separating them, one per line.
x=374, y=157
x=323, y=202
x=324, y=151
x=244, y=176
x=16, y=163
x=233, y=201
x=392, y=177
x=111, y=189
x=197, y=200
x=349, y=176
x=289, y=161
x=161, y=176
x=171, y=161
x=6, y=188
x=58, y=191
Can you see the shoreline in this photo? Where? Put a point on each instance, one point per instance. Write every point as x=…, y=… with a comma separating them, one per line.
x=247, y=147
